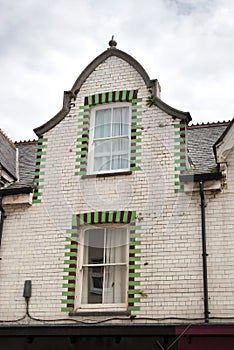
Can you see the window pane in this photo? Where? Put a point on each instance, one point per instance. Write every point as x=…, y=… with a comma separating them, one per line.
x=115, y=284
x=120, y=157
x=102, y=148
x=120, y=145
x=93, y=246
x=120, y=162
x=116, y=245
x=92, y=286
x=120, y=121
x=102, y=155
x=102, y=123
x=102, y=163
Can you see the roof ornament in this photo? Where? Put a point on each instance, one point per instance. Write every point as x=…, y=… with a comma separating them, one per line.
x=112, y=43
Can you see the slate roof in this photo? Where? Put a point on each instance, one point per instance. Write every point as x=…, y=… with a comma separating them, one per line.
x=27, y=161
x=201, y=139
x=7, y=154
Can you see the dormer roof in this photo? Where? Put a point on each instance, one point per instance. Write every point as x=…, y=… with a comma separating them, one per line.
x=112, y=51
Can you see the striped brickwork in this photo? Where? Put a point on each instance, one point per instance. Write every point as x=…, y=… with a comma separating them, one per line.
x=179, y=155
x=39, y=170
x=84, y=125
x=71, y=253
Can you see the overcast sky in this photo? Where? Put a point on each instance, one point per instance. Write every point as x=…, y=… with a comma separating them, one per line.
x=188, y=45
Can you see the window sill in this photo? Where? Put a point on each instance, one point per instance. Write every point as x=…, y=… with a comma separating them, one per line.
x=99, y=313
x=106, y=174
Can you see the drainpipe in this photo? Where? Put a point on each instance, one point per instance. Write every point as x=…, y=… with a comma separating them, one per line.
x=3, y=216
x=204, y=253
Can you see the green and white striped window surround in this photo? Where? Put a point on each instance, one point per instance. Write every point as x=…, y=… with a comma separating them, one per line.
x=109, y=133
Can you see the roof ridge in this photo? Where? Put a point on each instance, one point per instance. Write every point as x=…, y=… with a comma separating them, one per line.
x=208, y=124
x=7, y=137
x=25, y=142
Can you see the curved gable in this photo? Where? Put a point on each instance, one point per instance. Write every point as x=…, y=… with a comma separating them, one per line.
x=101, y=58
x=112, y=51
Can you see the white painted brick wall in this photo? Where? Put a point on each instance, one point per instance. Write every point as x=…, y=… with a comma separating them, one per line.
x=171, y=261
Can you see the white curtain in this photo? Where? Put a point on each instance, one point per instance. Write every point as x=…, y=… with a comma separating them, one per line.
x=102, y=123
x=102, y=155
x=120, y=122
x=120, y=151
x=112, y=153
x=93, y=250
x=115, y=276
x=114, y=249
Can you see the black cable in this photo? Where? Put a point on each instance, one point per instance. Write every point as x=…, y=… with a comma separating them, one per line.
x=131, y=317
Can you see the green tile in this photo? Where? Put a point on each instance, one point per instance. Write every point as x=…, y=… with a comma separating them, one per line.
x=36, y=201
x=72, y=254
x=137, y=100
x=134, y=300
x=134, y=283
x=69, y=278
x=69, y=285
x=69, y=269
x=67, y=301
x=70, y=294
x=67, y=309
x=70, y=262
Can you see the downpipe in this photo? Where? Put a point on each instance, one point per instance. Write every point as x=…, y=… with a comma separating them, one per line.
x=204, y=252
x=3, y=217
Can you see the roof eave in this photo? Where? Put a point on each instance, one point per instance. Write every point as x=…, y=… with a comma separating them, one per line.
x=175, y=113
x=58, y=117
x=13, y=191
x=8, y=172
x=101, y=58
x=68, y=95
x=185, y=178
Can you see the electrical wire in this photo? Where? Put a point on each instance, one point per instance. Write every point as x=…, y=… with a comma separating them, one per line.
x=130, y=318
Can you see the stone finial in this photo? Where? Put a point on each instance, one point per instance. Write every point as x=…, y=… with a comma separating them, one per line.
x=112, y=42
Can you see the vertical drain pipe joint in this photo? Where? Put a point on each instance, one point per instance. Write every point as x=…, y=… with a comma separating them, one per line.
x=204, y=252
x=2, y=218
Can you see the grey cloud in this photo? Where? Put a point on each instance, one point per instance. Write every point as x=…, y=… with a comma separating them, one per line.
x=44, y=45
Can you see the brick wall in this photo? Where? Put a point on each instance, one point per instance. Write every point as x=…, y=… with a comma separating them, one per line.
x=170, y=278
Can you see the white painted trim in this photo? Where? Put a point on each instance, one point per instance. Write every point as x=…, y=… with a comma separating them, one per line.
x=79, y=275
x=90, y=157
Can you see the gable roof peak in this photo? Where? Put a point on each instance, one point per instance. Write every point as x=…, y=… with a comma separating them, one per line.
x=108, y=53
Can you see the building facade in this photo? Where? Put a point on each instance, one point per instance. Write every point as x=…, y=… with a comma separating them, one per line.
x=116, y=224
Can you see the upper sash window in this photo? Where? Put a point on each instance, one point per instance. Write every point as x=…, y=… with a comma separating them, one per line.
x=109, y=148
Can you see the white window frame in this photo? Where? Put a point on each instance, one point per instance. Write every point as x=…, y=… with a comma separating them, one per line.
x=79, y=277
x=90, y=166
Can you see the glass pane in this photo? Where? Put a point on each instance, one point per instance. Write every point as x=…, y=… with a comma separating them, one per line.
x=102, y=147
x=102, y=163
x=115, y=284
x=102, y=152
x=120, y=121
x=116, y=245
x=120, y=162
x=102, y=123
x=120, y=156
x=94, y=246
x=92, y=286
x=120, y=145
